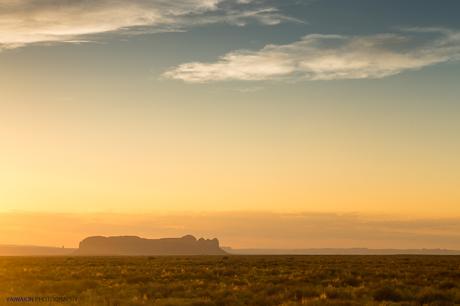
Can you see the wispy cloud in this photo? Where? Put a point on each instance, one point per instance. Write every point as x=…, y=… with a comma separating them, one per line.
x=24, y=22
x=329, y=57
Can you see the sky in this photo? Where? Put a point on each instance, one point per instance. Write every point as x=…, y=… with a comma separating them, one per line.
x=260, y=108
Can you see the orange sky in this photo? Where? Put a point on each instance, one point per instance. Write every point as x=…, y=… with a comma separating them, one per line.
x=202, y=106
x=161, y=161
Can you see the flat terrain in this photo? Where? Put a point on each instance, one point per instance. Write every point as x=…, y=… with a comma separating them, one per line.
x=233, y=280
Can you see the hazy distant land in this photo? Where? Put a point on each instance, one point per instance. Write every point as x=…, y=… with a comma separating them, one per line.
x=189, y=245
x=344, y=251
x=122, y=246
x=30, y=250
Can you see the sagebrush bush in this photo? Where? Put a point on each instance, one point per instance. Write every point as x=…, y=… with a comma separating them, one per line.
x=387, y=293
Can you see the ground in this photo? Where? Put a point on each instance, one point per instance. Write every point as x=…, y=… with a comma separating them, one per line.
x=231, y=280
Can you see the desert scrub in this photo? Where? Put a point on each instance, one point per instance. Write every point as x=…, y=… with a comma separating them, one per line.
x=236, y=280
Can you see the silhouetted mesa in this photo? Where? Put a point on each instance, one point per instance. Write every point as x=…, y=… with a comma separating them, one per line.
x=136, y=246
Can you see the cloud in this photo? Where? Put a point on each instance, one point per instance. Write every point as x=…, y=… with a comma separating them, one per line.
x=239, y=229
x=24, y=22
x=329, y=57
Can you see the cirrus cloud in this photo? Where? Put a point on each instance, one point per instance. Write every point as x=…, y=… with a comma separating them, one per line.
x=329, y=57
x=24, y=22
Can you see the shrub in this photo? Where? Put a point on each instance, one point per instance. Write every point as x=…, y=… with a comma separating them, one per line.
x=446, y=285
x=338, y=294
x=352, y=281
x=387, y=293
x=433, y=296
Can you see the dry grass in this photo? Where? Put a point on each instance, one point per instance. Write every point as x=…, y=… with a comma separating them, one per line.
x=235, y=280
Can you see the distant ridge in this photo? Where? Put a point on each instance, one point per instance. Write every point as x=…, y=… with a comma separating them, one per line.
x=29, y=250
x=136, y=246
x=189, y=245
x=333, y=251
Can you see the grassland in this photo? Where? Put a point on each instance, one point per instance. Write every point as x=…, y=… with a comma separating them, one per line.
x=234, y=280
